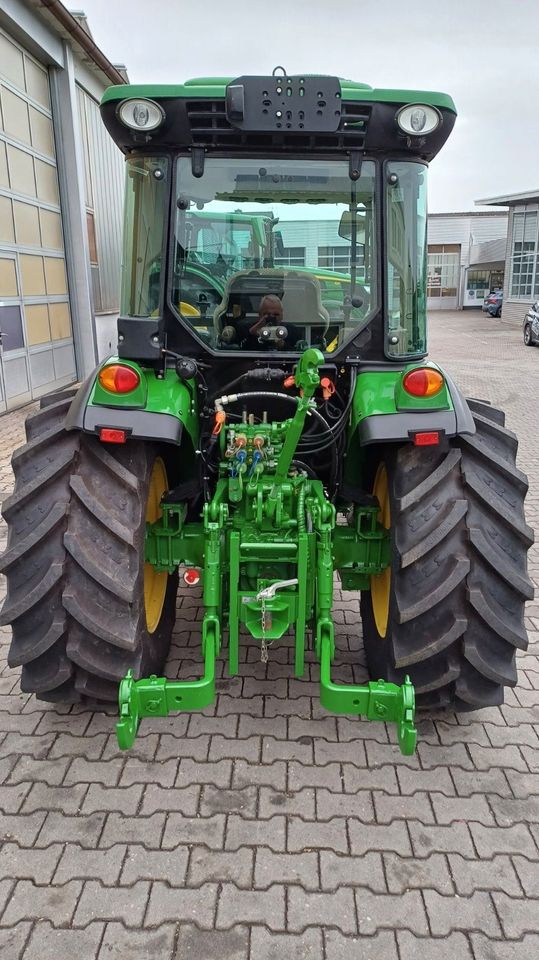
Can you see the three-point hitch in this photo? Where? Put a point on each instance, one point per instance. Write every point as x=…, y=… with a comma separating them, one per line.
x=266, y=550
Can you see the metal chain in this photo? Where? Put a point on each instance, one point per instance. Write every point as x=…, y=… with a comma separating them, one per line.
x=267, y=593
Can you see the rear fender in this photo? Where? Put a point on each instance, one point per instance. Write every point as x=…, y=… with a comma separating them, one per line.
x=381, y=413
x=165, y=407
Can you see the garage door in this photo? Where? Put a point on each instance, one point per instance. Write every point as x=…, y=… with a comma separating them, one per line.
x=443, y=276
x=36, y=352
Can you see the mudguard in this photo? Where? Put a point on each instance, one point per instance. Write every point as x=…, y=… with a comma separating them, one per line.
x=162, y=409
x=382, y=412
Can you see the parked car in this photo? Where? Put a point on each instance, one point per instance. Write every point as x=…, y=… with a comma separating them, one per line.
x=531, y=326
x=493, y=303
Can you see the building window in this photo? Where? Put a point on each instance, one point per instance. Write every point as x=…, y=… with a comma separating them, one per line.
x=292, y=257
x=478, y=280
x=524, y=256
x=338, y=258
x=443, y=270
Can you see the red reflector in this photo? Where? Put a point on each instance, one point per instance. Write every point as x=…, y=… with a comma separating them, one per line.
x=426, y=439
x=108, y=435
x=191, y=576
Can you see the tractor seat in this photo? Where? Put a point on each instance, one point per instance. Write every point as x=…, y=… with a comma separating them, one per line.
x=299, y=294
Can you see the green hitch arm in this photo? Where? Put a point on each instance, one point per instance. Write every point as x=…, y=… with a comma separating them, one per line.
x=307, y=380
x=157, y=697
x=377, y=700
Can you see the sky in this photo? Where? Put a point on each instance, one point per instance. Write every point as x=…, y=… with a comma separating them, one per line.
x=483, y=52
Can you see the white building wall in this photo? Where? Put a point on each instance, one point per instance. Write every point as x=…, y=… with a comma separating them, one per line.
x=466, y=230
x=311, y=234
x=104, y=192
x=488, y=228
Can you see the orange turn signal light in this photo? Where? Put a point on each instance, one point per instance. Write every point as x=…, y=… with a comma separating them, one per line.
x=117, y=378
x=423, y=382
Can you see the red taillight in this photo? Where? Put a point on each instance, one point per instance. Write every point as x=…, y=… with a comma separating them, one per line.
x=423, y=382
x=191, y=576
x=427, y=439
x=118, y=378
x=108, y=435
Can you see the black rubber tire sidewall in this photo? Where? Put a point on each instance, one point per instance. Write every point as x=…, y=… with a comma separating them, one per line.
x=470, y=560
x=50, y=593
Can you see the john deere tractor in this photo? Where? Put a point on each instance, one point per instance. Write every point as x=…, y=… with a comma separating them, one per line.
x=270, y=422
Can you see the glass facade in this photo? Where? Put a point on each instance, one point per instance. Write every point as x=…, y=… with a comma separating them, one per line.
x=524, y=281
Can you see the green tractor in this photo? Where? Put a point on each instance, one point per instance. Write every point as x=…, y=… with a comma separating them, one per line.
x=265, y=427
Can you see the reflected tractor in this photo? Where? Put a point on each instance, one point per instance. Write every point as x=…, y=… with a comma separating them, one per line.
x=270, y=422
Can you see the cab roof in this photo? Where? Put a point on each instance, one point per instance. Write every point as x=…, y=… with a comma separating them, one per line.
x=278, y=114
x=204, y=87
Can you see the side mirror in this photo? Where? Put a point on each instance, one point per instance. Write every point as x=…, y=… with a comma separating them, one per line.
x=345, y=226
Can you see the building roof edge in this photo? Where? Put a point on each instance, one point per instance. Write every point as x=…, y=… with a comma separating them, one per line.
x=509, y=199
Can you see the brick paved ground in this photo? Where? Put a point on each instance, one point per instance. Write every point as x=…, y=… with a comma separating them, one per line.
x=265, y=829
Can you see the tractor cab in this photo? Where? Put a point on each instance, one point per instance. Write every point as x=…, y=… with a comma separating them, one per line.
x=312, y=189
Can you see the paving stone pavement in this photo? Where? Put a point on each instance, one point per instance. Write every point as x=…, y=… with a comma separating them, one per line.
x=265, y=828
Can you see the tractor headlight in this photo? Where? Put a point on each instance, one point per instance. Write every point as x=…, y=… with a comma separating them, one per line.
x=417, y=119
x=141, y=114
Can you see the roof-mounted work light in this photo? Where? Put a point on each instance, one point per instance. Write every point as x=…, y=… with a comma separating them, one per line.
x=417, y=119
x=141, y=114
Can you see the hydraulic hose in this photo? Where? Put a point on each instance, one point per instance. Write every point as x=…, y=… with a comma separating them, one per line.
x=259, y=373
x=249, y=394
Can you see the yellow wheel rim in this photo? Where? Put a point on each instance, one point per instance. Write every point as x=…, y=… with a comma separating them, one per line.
x=381, y=584
x=155, y=584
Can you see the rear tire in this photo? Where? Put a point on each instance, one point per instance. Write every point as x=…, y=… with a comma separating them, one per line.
x=75, y=562
x=458, y=575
